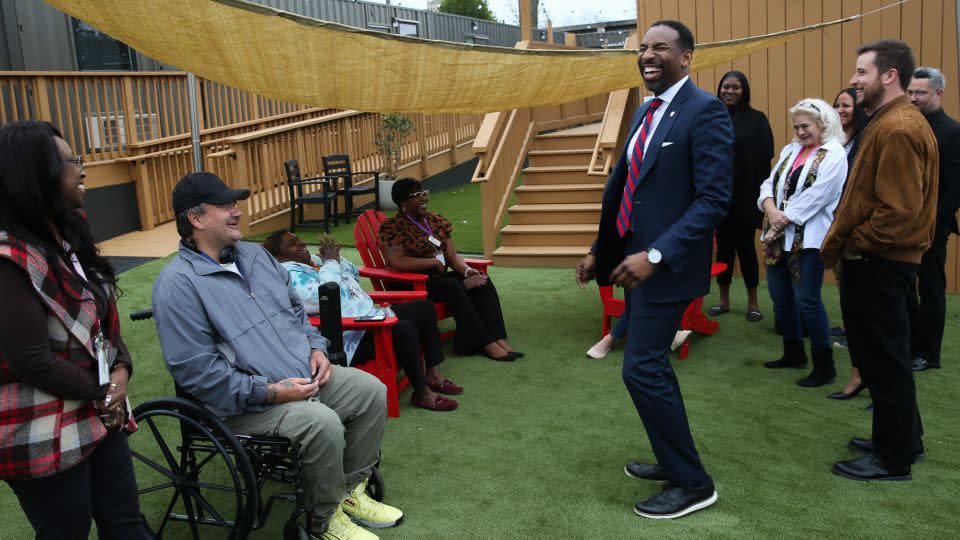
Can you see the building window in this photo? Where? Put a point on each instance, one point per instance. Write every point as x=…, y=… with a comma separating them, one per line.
x=98, y=51
x=407, y=28
x=379, y=27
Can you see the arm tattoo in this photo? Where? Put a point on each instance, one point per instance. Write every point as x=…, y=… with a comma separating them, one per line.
x=271, y=397
x=286, y=384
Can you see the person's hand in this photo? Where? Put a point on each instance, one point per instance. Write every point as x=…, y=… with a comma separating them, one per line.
x=777, y=219
x=320, y=367
x=117, y=391
x=586, y=270
x=329, y=248
x=291, y=389
x=439, y=267
x=634, y=270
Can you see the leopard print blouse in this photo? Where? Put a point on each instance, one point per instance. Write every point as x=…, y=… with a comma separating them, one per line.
x=399, y=231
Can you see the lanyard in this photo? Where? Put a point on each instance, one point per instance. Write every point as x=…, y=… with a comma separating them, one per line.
x=423, y=227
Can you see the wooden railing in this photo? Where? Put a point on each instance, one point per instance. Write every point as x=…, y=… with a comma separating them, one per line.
x=254, y=160
x=140, y=121
x=615, y=127
x=505, y=138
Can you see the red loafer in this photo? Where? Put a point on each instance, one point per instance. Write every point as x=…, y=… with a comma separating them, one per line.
x=445, y=387
x=442, y=404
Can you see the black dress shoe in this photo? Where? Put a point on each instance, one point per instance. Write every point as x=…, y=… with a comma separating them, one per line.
x=868, y=467
x=645, y=471
x=509, y=357
x=841, y=395
x=675, y=501
x=920, y=363
x=866, y=446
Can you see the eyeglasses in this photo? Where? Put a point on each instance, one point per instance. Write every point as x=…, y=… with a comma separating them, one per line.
x=77, y=161
x=918, y=93
x=419, y=194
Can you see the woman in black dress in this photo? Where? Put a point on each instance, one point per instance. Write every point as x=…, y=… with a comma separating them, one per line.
x=752, y=152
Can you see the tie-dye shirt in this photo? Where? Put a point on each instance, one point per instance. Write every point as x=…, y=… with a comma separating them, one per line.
x=354, y=302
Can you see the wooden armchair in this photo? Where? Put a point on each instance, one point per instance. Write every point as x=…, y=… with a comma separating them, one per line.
x=367, y=235
x=337, y=169
x=299, y=196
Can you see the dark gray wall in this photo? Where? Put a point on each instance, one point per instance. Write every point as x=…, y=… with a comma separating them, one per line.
x=112, y=210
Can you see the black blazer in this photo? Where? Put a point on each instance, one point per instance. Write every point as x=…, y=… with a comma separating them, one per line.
x=683, y=192
x=947, y=131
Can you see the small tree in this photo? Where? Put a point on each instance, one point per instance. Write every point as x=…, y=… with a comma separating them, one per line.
x=478, y=9
x=391, y=135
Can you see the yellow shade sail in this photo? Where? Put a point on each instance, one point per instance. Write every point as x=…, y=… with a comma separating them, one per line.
x=281, y=55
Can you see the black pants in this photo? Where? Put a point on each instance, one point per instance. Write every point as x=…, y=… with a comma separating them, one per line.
x=416, y=330
x=102, y=488
x=735, y=239
x=477, y=311
x=878, y=334
x=928, y=313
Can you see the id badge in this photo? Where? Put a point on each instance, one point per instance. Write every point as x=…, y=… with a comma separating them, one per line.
x=441, y=258
x=103, y=358
x=433, y=240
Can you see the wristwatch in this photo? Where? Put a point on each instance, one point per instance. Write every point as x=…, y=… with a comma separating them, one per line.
x=654, y=256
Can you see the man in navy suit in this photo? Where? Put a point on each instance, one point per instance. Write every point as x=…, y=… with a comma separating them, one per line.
x=667, y=193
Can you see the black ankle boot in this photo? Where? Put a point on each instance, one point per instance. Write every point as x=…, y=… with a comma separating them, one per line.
x=823, y=372
x=793, y=357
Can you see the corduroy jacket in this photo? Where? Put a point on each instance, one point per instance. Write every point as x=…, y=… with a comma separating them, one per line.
x=889, y=205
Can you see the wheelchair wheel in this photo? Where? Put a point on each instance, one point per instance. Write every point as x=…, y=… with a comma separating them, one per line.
x=375, y=487
x=195, y=479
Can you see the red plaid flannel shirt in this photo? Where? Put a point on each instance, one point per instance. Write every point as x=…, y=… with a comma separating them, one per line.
x=41, y=434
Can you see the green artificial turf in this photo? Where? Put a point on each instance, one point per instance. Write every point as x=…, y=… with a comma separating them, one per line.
x=460, y=205
x=538, y=446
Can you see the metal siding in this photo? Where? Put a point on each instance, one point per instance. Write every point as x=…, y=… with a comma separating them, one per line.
x=46, y=39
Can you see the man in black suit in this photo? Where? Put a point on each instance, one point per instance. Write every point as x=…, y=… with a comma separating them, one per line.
x=927, y=314
x=670, y=188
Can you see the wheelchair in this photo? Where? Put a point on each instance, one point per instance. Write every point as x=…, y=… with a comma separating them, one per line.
x=208, y=484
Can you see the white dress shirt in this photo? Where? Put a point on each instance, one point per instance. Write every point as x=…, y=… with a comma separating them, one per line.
x=666, y=97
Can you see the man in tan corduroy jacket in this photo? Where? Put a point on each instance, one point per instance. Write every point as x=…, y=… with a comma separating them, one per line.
x=882, y=227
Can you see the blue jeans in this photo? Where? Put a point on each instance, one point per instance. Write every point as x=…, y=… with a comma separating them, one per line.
x=793, y=300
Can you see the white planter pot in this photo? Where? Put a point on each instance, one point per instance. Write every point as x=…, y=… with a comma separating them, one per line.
x=386, y=201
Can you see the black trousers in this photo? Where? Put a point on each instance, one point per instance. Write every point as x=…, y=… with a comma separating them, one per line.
x=927, y=313
x=416, y=330
x=477, y=311
x=102, y=488
x=735, y=239
x=878, y=334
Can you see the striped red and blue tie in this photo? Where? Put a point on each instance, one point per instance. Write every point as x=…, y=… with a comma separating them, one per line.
x=626, y=204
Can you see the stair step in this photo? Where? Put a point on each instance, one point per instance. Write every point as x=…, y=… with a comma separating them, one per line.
x=565, y=174
x=566, y=256
x=559, y=193
x=556, y=158
x=565, y=141
x=549, y=235
x=543, y=214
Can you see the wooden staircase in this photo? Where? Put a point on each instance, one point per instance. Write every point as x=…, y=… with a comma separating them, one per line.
x=557, y=208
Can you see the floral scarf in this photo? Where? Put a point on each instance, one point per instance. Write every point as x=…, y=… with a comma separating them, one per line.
x=774, y=250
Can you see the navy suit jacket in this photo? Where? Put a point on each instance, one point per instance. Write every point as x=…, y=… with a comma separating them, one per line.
x=684, y=190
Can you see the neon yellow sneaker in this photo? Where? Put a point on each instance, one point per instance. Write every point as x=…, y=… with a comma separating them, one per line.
x=365, y=511
x=341, y=528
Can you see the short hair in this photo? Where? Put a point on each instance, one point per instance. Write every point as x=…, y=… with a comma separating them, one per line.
x=272, y=242
x=402, y=189
x=892, y=54
x=686, y=36
x=823, y=114
x=934, y=75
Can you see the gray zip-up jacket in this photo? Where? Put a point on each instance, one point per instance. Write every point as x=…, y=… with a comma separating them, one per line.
x=226, y=337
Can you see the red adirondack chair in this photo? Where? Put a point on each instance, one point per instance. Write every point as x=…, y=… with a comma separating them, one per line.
x=384, y=364
x=693, y=317
x=367, y=235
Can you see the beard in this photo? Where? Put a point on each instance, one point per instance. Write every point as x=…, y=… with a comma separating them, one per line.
x=872, y=96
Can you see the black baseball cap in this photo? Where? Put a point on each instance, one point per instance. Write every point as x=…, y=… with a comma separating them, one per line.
x=203, y=187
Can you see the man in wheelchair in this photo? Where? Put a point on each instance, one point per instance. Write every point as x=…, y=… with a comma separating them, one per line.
x=236, y=337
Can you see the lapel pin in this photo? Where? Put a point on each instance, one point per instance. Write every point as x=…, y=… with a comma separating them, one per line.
x=672, y=113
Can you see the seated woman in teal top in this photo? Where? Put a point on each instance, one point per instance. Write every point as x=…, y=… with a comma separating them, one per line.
x=417, y=327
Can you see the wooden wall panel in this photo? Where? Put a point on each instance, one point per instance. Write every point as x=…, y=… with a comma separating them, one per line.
x=821, y=63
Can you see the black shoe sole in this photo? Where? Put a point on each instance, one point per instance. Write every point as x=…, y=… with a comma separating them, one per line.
x=699, y=505
x=900, y=478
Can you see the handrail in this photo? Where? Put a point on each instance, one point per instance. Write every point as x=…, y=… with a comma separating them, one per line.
x=611, y=137
x=266, y=132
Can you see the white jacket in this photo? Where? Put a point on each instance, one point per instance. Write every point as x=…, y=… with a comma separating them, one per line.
x=812, y=207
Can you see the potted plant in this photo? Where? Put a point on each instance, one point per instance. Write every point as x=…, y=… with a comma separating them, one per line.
x=391, y=135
